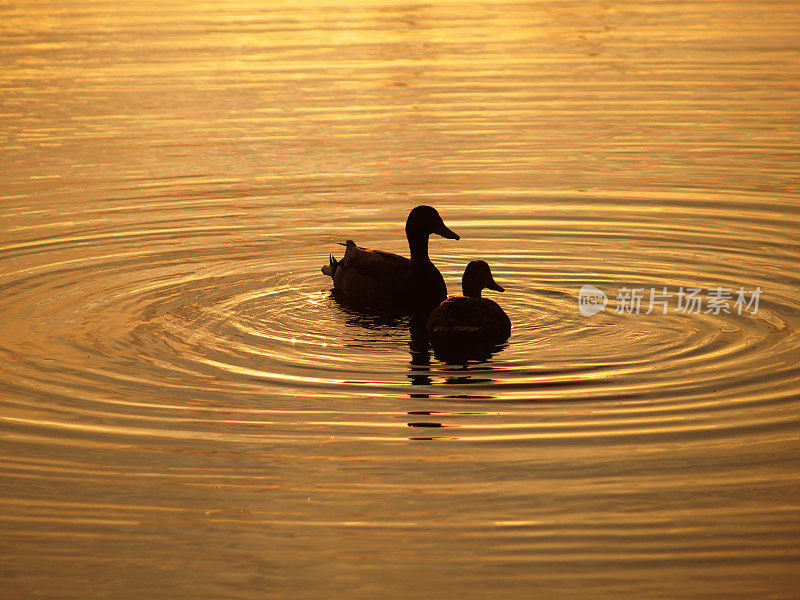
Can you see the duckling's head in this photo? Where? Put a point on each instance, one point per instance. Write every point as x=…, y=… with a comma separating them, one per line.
x=477, y=276
x=425, y=220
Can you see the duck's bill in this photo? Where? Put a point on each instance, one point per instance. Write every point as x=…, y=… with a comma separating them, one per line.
x=448, y=233
x=497, y=288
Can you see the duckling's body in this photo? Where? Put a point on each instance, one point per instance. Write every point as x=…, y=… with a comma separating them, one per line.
x=460, y=319
x=470, y=319
x=383, y=279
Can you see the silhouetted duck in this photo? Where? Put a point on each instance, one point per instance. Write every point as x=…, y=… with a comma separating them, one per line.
x=383, y=279
x=470, y=319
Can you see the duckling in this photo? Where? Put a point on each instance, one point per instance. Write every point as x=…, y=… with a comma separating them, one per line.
x=469, y=319
x=384, y=279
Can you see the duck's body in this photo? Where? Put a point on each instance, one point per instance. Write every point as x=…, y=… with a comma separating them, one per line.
x=460, y=319
x=470, y=319
x=383, y=279
x=370, y=276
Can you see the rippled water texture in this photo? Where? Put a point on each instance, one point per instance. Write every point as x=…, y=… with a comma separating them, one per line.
x=187, y=413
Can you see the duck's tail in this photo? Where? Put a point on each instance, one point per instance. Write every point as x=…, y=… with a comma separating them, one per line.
x=330, y=268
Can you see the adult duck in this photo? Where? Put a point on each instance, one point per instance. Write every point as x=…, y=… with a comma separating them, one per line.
x=376, y=278
x=470, y=320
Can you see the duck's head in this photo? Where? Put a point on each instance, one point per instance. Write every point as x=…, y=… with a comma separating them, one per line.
x=425, y=220
x=477, y=276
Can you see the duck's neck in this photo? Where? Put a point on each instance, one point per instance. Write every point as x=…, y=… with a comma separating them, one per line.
x=418, y=245
x=471, y=290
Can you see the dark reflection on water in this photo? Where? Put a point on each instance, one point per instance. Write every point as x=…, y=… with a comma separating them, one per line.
x=420, y=347
x=181, y=397
x=419, y=373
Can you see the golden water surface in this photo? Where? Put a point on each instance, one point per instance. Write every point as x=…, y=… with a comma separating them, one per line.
x=187, y=413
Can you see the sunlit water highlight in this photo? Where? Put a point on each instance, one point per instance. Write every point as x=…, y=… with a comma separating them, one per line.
x=186, y=411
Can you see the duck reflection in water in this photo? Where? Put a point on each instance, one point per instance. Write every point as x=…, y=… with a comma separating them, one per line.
x=420, y=369
x=420, y=373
